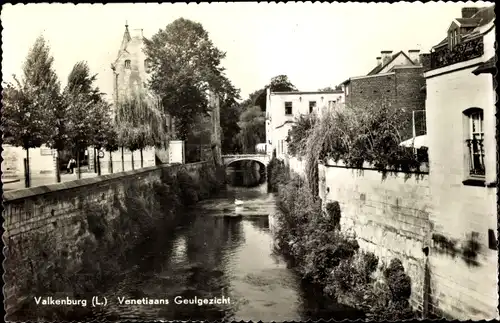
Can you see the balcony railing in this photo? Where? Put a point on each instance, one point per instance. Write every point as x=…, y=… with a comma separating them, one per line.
x=460, y=53
x=476, y=157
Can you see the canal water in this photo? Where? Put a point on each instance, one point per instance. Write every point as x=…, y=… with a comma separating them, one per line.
x=223, y=251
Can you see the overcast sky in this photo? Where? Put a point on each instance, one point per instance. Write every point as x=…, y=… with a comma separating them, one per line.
x=316, y=45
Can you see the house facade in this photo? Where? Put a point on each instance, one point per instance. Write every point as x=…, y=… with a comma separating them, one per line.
x=461, y=120
x=397, y=81
x=131, y=71
x=285, y=107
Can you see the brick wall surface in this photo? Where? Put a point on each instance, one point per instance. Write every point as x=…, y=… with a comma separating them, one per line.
x=401, y=89
x=389, y=217
x=410, y=96
x=372, y=91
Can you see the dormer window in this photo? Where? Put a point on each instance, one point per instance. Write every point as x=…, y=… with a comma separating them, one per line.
x=453, y=38
x=127, y=64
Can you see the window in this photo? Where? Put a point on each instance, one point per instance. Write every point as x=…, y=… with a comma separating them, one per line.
x=347, y=90
x=474, y=141
x=288, y=108
x=312, y=105
x=127, y=63
x=453, y=38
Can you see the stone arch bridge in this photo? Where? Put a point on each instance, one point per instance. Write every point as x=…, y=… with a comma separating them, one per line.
x=260, y=158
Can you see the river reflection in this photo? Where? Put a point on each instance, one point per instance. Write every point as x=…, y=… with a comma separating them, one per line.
x=220, y=252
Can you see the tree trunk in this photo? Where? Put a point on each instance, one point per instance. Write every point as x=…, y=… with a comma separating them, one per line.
x=110, y=163
x=132, y=158
x=98, y=159
x=78, y=171
x=123, y=161
x=58, y=167
x=142, y=159
x=27, y=177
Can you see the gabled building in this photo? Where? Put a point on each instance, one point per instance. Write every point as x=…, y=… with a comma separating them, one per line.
x=283, y=108
x=461, y=121
x=131, y=71
x=396, y=80
x=131, y=67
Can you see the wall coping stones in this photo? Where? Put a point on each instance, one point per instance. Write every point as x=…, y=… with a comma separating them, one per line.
x=367, y=166
x=46, y=189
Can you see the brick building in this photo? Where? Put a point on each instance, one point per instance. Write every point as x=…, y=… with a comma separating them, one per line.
x=461, y=122
x=397, y=80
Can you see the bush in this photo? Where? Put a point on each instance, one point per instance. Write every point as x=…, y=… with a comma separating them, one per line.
x=328, y=257
x=189, y=188
x=277, y=174
x=356, y=135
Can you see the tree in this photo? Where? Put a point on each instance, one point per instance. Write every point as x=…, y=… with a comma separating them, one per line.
x=279, y=83
x=83, y=102
x=229, y=122
x=329, y=89
x=185, y=65
x=229, y=116
x=102, y=129
x=141, y=123
x=111, y=143
x=252, y=125
x=29, y=103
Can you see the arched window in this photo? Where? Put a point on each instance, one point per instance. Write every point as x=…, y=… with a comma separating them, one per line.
x=474, y=132
x=127, y=63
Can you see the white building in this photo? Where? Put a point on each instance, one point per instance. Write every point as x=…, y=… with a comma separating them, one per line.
x=460, y=108
x=284, y=107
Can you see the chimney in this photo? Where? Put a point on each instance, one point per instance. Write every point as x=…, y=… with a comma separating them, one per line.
x=468, y=12
x=414, y=55
x=379, y=61
x=386, y=56
x=136, y=33
x=425, y=60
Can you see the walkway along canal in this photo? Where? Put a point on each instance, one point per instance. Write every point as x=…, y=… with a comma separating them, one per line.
x=216, y=250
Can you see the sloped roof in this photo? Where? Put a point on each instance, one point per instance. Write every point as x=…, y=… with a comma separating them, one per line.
x=380, y=67
x=484, y=16
x=487, y=67
x=127, y=39
x=468, y=22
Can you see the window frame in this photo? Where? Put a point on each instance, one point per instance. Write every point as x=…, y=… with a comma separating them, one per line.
x=127, y=63
x=475, y=152
x=312, y=105
x=288, y=104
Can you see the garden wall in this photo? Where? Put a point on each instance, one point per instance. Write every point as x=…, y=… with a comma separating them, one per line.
x=45, y=208
x=390, y=217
